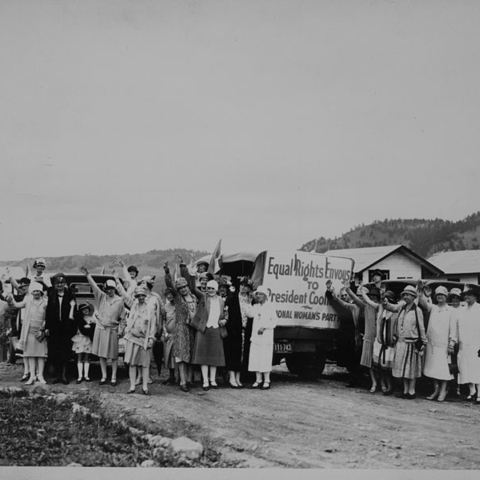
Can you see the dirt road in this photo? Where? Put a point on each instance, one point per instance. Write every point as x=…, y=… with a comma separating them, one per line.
x=307, y=424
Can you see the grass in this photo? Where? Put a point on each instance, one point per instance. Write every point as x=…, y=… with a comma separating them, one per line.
x=36, y=431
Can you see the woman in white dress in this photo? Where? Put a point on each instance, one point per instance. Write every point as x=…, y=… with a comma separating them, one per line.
x=469, y=344
x=32, y=338
x=441, y=340
x=261, y=347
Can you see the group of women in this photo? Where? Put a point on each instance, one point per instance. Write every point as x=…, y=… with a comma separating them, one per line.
x=419, y=335
x=200, y=323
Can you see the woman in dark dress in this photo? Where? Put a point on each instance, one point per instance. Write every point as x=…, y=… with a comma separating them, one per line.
x=233, y=342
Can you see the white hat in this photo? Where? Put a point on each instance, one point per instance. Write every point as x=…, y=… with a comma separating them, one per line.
x=262, y=289
x=441, y=290
x=35, y=286
x=110, y=284
x=213, y=284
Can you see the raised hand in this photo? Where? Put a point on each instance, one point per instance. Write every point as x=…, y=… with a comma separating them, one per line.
x=72, y=303
x=119, y=262
x=84, y=270
x=165, y=266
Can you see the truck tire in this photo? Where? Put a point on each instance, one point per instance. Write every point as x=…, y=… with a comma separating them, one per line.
x=293, y=363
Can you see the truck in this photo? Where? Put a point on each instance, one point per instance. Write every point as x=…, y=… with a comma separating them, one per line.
x=307, y=327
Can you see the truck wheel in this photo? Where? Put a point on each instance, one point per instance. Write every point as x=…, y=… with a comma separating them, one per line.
x=293, y=363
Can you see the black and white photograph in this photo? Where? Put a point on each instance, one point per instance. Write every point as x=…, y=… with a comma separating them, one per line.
x=239, y=235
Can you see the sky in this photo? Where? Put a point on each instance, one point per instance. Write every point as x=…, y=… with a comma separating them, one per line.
x=128, y=126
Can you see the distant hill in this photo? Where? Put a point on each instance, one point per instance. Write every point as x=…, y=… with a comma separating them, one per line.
x=424, y=237
x=153, y=259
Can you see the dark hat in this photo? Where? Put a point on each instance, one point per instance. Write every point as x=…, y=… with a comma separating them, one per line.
x=374, y=291
x=86, y=306
x=245, y=281
x=390, y=296
x=377, y=272
x=24, y=281
x=470, y=290
x=58, y=277
x=132, y=268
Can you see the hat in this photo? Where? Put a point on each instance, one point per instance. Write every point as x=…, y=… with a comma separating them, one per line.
x=468, y=290
x=390, y=296
x=168, y=290
x=132, y=268
x=110, y=284
x=39, y=262
x=202, y=262
x=148, y=279
x=58, y=277
x=35, y=286
x=223, y=282
x=212, y=284
x=262, y=289
x=86, y=306
x=140, y=291
x=377, y=272
x=374, y=291
x=245, y=281
x=411, y=290
x=441, y=290
x=455, y=292
x=24, y=281
x=181, y=282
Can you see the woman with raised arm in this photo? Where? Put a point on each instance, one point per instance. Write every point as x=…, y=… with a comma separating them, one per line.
x=410, y=341
x=441, y=340
x=183, y=338
x=110, y=312
x=209, y=321
x=139, y=338
x=32, y=339
x=261, y=348
x=370, y=303
x=384, y=346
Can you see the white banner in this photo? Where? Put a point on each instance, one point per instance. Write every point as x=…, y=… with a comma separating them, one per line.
x=296, y=284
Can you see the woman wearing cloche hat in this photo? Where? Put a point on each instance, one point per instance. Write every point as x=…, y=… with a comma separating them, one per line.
x=407, y=361
x=110, y=312
x=441, y=340
x=469, y=343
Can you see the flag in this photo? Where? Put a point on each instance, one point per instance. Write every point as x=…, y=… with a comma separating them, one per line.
x=176, y=273
x=27, y=270
x=103, y=271
x=214, y=265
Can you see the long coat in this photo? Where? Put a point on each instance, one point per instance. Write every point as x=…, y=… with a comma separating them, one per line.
x=61, y=328
x=232, y=343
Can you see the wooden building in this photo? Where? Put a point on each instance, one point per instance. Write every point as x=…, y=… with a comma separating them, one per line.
x=396, y=262
x=459, y=266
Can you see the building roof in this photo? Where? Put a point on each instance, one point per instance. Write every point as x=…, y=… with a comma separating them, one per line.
x=368, y=257
x=462, y=261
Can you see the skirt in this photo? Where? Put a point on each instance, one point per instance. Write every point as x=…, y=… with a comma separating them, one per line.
x=468, y=364
x=367, y=354
x=407, y=363
x=209, y=348
x=34, y=348
x=383, y=356
x=261, y=357
x=436, y=362
x=137, y=356
x=81, y=344
x=105, y=343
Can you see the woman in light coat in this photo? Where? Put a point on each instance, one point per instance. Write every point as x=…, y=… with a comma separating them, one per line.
x=32, y=338
x=441, y=339
x=469, y=344
x=261, y=347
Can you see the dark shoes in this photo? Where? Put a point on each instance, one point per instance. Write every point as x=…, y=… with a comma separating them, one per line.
x=401, y=395
x=266, y=386
x=214, y=386
x=206, y=388
x=113, y=383
x=146, y=392
x=184, y=388
x=79, y=380
x=132, y=390
x=255, y=386
x=234, y=385
x=169, y=381
x=103, y=381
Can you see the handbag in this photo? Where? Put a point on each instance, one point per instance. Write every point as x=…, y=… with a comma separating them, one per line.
x=418, y=341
